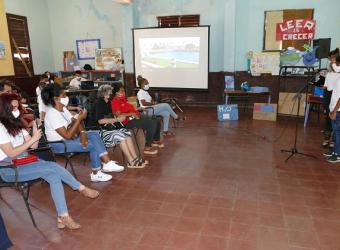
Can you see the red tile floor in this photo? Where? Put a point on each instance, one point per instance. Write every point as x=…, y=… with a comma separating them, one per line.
x=215, y=186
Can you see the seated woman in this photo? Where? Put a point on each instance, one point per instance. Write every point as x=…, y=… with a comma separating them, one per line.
x=162, y=109
x=133, y=119
x=113, y=130
x=14, y=142
x=61, y=125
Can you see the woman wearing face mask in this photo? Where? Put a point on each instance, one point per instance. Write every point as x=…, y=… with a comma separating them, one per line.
x=60, y=125
x=162, y=109
x=76, y=81
x=120, y=106
x=113, y=130
x=14, y=142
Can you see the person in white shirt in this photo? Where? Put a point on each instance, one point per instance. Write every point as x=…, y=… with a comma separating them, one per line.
x=60, y=125
x=333, y=83
x=14, y=143
x=44, y=80
x=161, y=109
x=76, y=81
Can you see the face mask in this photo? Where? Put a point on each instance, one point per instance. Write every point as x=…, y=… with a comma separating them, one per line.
x=64, y=101
x=336, y=68
x=121, y=97
x=16, y=113
x=78, y=78
x=146, y=87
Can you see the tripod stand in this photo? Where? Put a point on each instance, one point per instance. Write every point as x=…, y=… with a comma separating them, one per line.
x=293, y=151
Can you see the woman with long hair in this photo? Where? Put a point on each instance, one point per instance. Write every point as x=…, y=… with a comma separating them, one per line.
x=14, y=143
x=61, y=125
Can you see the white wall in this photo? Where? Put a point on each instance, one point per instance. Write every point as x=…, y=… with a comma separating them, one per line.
x=83, y=19
x=39, y=30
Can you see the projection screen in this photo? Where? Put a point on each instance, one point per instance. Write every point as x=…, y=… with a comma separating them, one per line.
x=172, y=57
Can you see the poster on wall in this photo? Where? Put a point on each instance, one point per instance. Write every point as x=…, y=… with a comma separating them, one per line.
x=298, y=29
x=86, y=48
x=108, y=59
x=265, y=63
x=2, y=50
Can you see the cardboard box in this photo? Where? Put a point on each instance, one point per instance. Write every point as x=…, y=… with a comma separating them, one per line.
x=265, y=111
x=288, y=106
x=69, y=54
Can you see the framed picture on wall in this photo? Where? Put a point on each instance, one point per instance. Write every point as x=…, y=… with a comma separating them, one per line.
x=86, y=48
x=108, y=59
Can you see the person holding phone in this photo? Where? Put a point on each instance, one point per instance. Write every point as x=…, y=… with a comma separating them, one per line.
x=61, y=125
x=14, y=143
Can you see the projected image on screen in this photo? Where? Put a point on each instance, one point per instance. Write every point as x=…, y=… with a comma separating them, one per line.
x=170, y=52
x=172, y=57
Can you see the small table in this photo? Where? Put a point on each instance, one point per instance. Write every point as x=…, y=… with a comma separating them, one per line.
x=244, y=96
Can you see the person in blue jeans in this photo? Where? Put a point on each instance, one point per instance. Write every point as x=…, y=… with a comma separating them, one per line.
x=161, y=109
x=61, y=125
x=14, y=143
x=5, y=242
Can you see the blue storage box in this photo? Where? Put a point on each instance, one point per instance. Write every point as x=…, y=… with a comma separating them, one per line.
x=227, y=112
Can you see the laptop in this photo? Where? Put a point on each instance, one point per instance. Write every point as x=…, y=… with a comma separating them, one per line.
x=87, y=85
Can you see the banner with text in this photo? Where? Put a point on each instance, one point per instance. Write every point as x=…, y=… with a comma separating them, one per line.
x=298, y=29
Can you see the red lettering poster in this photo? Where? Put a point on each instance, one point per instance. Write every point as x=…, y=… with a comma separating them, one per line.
x=298, y=29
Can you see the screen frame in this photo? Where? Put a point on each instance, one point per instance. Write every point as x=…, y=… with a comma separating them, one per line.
x=168, y=88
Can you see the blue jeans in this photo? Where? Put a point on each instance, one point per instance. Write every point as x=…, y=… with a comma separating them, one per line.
x=336, y=133
x=164, y=110
x=96, y=148
x=5, y=242
x=51, y=172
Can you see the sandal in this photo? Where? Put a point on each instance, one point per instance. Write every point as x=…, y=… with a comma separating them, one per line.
x=157, y=144
x=135, y=164
x=67, y=221
x=90, y=193
x=150, y=151
x=146, y=162
x=168, y=134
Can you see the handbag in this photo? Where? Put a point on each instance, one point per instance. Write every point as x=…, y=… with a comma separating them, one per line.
x=25, y=160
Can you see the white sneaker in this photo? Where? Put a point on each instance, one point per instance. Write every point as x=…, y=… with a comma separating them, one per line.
x=100, y=176
x=111, y=166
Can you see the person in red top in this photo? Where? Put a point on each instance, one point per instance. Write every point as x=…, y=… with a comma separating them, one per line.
x=133, y=119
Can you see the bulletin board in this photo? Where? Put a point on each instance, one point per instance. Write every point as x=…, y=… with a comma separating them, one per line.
x=86, y=48
x=265, y=63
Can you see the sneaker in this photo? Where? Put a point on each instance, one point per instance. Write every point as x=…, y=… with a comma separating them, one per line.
x=157, y=144
x=328, y=153
x=111, y=166
x=100, y=177
x=333, y=159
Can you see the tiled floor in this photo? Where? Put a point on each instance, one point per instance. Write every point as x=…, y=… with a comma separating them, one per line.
x=215, y=186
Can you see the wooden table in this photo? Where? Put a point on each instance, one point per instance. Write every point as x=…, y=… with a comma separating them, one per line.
x=245, y=97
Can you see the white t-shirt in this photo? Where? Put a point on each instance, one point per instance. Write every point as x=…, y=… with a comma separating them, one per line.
x=333, y=83
x=75, y=83
x=54, y=120
x=5, y=137
x=143, y=95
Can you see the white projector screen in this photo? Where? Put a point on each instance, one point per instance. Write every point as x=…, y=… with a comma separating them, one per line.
x=172, y=57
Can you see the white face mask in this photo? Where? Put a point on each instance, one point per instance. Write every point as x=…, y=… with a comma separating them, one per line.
x=16, y=113
x=336, y=68
x=146, y=87
x=64, y=101
x=78, y=78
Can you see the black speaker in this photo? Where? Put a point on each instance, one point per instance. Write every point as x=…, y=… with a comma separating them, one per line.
x=324, y=47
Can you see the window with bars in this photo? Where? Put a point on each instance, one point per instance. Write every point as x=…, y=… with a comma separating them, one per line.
x=178, y=21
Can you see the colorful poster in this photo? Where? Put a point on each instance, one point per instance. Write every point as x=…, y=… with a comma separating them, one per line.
x=298, y=29
x=108, y=59
x=86, y=49
x=265, y=63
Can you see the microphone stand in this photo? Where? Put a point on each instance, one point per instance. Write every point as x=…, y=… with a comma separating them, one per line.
x=294, y=150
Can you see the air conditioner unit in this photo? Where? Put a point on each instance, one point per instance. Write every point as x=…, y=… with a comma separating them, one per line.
x=123, y=1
